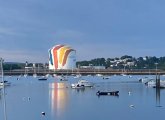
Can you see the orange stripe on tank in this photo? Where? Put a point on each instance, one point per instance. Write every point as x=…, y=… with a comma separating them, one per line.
x=55, y=55
x=66, y=56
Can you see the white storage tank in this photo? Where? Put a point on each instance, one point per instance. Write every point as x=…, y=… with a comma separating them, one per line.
x=62, y=57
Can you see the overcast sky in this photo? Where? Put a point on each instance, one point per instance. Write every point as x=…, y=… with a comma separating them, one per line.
x=95, y=28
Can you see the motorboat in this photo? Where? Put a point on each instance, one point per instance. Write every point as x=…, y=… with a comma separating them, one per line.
x=25, y=75
x=47, y=75
x=99, y=75
x=152, y=83
x=84, y=83
x=123, y=74
x=42, y=78
x=130, y=76
x=62, y=78
x=54, y=75
x=113, y=93
x=35, y=75
x=146, y=79
x=5, y=83
x=106, y=77
x=78, y=76
x=161, y=86
x=77, y=86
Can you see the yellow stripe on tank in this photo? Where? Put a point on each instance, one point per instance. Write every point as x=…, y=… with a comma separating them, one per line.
x=62, y=53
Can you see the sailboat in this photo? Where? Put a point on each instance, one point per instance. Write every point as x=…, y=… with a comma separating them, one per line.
x=34, y=70
x=78, y=75
x=3, y=89
x=3, y=82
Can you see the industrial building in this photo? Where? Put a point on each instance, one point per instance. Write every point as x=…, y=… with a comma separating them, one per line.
x=62, y=57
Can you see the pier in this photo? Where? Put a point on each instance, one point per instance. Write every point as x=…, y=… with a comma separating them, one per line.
x=84, y=72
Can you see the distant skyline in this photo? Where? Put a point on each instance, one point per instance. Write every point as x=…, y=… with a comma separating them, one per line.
x=94, y=28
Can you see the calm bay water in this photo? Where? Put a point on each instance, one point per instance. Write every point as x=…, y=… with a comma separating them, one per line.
x=28, y=97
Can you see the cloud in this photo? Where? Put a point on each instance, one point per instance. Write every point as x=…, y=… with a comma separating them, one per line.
x=22, y=56
x=8, y=31
x=67, y=36
x=106, y=28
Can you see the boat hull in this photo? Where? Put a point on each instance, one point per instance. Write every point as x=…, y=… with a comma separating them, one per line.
x=113, y=93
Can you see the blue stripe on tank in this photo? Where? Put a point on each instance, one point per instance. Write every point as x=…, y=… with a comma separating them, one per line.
x=50, y=57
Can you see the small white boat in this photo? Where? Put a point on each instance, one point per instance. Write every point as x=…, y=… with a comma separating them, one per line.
x=77, y=86
x=123, y=74
x=25, y=75
x=89, y=75
x=152, y=83
x=42, y=78
x=83, y=83
x=78, y=76
x=47, y=75
x=35, y=75
x=130, y=76
x=162, y=85
x=99, y=75
x=62, y=78
x=54, y=75
x=146, y=79
x=5, y=83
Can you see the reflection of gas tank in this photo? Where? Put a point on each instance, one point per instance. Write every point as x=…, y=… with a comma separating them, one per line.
x=59, y=97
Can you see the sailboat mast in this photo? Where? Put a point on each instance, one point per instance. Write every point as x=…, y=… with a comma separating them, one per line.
x=2, y=69
x=4, y=99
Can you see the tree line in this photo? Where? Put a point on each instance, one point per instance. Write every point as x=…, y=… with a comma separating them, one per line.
x=147, y=62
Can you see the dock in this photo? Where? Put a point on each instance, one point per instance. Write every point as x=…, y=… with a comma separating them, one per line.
x=84, y=72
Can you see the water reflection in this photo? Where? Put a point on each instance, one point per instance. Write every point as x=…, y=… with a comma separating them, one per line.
x=158, y=97
x=58, y=98
x=0, y=94
x=79, y=90
x=61, y=103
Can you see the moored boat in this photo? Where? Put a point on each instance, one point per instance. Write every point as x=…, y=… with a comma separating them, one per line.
x=5, y=83
x=152, y=83
x=113, y=93
x=146, y=79
x=84, y=83
x=77, y=86
x=106, y=77
x=43, y=78
x=99, y=75
x=78, y=76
